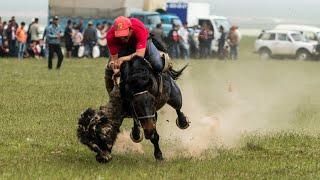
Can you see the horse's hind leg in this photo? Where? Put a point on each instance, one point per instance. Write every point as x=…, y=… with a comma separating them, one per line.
x=175, y=101
x=182, y=120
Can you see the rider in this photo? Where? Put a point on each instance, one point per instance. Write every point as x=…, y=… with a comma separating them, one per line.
x=128, y=37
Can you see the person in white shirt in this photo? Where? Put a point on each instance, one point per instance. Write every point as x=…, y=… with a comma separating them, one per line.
x=184, y=41
x=77, y=40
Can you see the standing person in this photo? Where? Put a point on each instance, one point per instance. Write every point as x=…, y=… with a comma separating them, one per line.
x=1, y=32
x=35, y=37
x=22, y=39
x=4, y=32
x=80, y=25
x=46, y=49
x=35, y=31
x=221, y=42
x=54, y=39
x=184, y=41
x=68, y=38
x=194, y=44
x=159, y=35
x=205, y=40
x=174, y=42
x=90, y=39
x=11, y=35
x=29, y=32
x=102, y=39
x=77, y=41
x=234, y=38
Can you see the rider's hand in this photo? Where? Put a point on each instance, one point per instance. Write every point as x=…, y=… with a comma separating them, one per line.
x=118, y=63
x=111, y=64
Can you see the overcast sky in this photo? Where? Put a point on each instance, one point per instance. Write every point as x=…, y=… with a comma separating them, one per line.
x=294, y=10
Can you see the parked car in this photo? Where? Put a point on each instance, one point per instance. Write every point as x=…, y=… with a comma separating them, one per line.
x=310, y=32
x=167, y=20
x=285, y=43
x=150, y=19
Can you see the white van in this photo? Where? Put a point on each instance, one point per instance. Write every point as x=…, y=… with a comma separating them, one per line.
x=310, y=32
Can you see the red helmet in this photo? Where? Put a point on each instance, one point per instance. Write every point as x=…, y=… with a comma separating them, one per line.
x=122, y=25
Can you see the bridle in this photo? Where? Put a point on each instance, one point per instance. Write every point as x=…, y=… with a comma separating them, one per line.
x=138, y=118
x=135, y=113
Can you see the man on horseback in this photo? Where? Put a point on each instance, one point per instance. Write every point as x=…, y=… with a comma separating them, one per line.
x=128, y=37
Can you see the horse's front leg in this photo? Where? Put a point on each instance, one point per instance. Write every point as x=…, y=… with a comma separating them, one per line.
x=150, y=132
x=155, y=141
x=136, y=134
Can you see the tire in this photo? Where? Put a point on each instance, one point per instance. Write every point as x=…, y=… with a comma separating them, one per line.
x=265, y=54
x=303, y=55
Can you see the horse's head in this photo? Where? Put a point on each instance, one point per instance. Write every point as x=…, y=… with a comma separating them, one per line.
x=140, y=83
x=144, y=110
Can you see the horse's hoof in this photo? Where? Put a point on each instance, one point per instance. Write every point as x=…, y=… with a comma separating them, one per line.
x=134, y=134
x=159, y=157
x=183, y=123
x=104, y=158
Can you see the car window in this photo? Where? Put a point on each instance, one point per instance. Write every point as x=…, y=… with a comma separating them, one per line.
x=318, y=34
x=176, y=21
x=283, y=37
x=202, y=22
x=310, y=36
x=165, y=21
x=154, y=19
x=268, y=36
x=140, y=17
x=224, y=23
x=298, y=37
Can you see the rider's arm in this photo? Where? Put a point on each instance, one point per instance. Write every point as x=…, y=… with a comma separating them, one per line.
x=139, y=52
x=113, y=59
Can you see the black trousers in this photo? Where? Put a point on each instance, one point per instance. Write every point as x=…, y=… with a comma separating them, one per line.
x=55, y=48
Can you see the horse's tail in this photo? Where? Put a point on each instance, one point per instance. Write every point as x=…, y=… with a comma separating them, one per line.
x=176, y=74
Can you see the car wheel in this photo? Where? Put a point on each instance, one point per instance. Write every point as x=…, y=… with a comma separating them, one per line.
x=303, y=55
x=265, y=54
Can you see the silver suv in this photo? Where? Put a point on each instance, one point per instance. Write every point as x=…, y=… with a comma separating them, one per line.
x=285, y=43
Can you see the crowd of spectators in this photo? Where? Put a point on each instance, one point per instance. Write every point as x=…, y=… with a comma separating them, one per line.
x=19, y=40
x=182, y=42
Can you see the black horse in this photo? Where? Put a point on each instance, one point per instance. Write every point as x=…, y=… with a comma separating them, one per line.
x=143, y=93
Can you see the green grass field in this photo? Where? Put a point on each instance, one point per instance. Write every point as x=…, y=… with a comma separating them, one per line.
x=268, y=113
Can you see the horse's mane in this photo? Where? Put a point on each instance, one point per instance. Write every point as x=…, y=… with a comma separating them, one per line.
x=140, y=74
